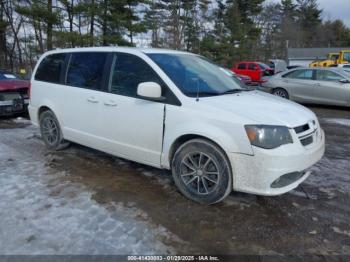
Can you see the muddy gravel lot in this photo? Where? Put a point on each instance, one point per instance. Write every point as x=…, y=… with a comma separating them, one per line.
x=81, y=201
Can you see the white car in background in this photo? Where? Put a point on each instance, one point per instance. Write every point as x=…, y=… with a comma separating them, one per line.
x=324, y=85
x=345, y=66
x=178, y=111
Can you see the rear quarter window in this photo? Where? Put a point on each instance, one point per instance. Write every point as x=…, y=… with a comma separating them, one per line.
x=86, y=70
x=252, y=67
x=50, y=68
x=241, y=66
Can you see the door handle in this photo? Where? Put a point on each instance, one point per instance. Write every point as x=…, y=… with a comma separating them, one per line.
x=317, y=84
x=110, y=103
x=92, y=100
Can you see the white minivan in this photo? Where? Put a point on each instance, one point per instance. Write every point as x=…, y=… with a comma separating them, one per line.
x=178, y=111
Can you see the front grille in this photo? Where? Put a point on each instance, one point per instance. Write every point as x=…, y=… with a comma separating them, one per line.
x=307, y=141
x=307, y=133
x=301, y=129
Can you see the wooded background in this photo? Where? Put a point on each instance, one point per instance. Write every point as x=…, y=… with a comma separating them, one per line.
x=224, y=31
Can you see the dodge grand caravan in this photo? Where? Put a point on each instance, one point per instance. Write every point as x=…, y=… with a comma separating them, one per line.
x=178, y=111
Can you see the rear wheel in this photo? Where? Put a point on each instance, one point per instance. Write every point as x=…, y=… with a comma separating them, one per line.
x=51, y=131
x=281, y=93
x=202, y=172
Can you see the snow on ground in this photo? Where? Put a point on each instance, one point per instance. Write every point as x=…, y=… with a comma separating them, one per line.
x=339, y=121
x=42, y=214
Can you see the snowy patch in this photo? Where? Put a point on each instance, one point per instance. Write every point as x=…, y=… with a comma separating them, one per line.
x=339, y=121
x=41, y=213
x=22, y=120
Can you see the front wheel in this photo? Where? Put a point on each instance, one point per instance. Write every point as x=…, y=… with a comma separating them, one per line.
x=202, y=172
x=281, y=93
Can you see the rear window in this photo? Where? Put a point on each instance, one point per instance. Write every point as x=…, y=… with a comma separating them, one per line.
x=50, y=68
x=326, y=75
x=7, y=76
x=86, y=70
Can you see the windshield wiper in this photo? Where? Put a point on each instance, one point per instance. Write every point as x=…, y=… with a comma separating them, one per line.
x=233, y=91
x=203, y=93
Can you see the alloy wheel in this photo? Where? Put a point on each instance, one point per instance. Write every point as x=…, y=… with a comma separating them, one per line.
x=50, y=130
x=199, y=173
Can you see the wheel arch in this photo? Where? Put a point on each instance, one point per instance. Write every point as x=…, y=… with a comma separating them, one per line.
x=42, y=109
x=187, y=137
x=45, y=106
x=281, y=88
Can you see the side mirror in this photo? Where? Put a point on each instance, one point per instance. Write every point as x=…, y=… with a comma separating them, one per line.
x=344, y=81
x=150, y=91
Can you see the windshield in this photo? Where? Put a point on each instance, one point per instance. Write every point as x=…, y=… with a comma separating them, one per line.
x=263, y=66
x=195, y=75
x=347, y=57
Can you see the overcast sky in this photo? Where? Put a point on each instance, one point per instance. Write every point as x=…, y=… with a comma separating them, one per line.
x=334, y=9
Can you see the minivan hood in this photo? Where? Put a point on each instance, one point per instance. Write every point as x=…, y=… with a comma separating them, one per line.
x=262, y=108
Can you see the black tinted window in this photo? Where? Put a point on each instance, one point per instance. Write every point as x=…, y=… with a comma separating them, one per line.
x=86, y=70
x=241, y=66
x=251, y=66
x=128, y=72
x=50, y=68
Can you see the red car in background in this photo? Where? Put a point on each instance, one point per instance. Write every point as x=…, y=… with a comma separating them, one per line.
x=255, y=70
x=14, y=94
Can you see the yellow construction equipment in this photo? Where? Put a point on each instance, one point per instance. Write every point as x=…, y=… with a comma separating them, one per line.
x=332, y=59
x=344, y=57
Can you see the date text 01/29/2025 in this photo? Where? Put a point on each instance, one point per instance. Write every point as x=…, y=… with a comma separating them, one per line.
x=173, y=258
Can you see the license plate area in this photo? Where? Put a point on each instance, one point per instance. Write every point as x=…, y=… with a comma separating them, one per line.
x=17, y=104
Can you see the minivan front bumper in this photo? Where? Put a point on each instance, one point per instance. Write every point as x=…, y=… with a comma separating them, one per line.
x=259, y=174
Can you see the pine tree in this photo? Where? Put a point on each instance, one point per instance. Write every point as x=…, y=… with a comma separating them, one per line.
x=242, y=32
x=309, y=20
x=42, y=17
x=154, y=18
x=191, y=29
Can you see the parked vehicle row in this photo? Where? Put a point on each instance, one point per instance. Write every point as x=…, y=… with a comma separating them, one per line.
x=13, y=94
x=328, y=86
x=196, y=119
x=255, y=70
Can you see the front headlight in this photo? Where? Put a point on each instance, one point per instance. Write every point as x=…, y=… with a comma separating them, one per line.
x=268, y=137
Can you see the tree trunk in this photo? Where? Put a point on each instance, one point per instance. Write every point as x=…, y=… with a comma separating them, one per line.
x=49, y=26
x=104, y=23
x=92, y=22
x=3, y=51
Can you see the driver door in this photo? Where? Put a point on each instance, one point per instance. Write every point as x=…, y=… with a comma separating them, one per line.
x=132, y=126
x=329, y=89
x=300, y=84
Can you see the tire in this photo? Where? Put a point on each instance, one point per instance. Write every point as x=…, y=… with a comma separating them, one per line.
x=51, y=131
x=202, y=172
x=281, y=93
